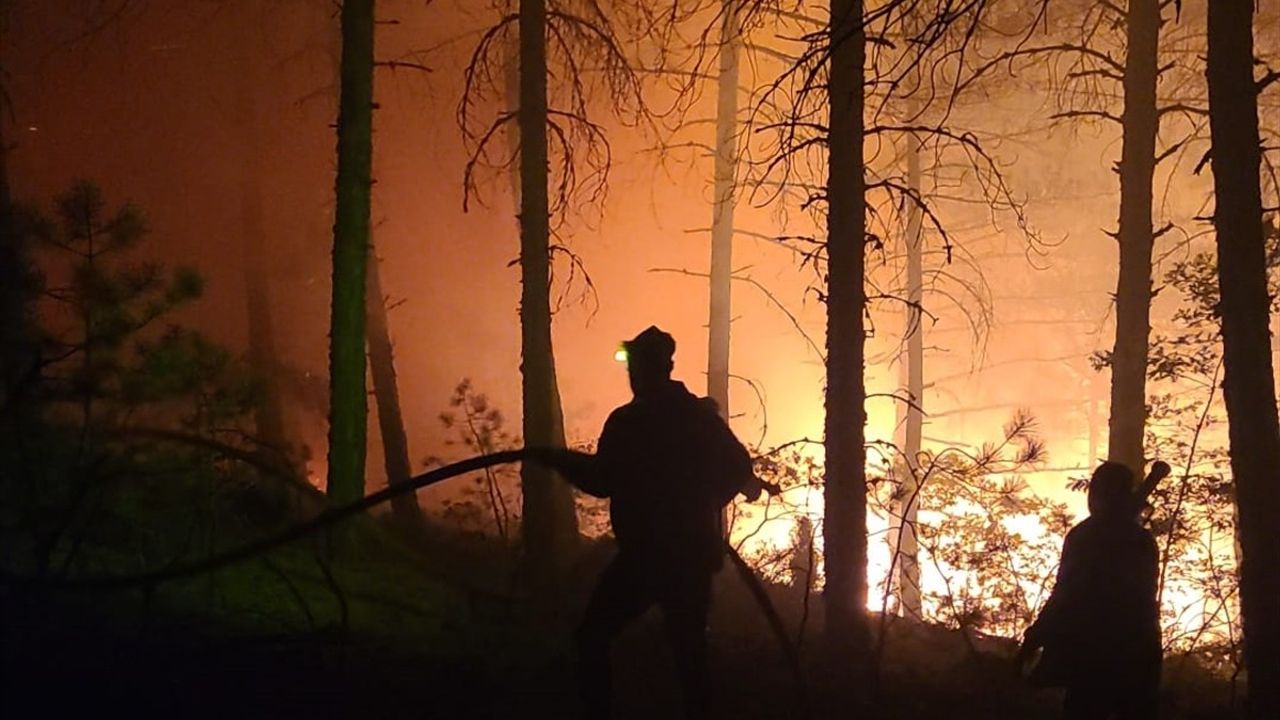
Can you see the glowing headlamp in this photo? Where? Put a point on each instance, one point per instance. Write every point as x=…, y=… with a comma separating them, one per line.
x=620, y=354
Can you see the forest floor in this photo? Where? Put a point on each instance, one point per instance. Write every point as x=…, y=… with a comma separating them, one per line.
x=431, y=628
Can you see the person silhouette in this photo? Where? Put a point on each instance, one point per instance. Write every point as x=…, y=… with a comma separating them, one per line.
x=1099, y=632
x=669, y=464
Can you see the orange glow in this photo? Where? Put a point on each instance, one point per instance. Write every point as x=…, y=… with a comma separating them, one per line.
x=1011, y=323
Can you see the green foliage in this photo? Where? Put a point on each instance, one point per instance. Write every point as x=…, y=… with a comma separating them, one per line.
x=104, y=300
x=204, y=383
x=126, y=445
x=138, y=454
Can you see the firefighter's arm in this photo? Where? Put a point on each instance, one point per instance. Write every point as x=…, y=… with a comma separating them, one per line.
x=1054, y=614
x=740, y=476
x=582, y=470
x=592, y=474
x=756, y=485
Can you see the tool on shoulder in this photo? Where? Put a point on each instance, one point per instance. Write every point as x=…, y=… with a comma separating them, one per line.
x=1159, y=471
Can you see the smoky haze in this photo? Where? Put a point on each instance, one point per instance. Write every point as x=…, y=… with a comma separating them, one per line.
x=178, y=108
x=1047, y=269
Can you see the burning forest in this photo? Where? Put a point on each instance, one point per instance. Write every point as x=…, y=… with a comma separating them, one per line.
x=685, y=358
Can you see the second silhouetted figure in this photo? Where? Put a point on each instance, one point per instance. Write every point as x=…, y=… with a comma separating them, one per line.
x=1100, y=628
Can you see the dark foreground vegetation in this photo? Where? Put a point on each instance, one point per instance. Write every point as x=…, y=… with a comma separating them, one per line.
x=431, y=624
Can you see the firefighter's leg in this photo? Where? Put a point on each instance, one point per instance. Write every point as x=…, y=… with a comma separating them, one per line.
x=618, y=598
x=685, y=604
x=1087, y=703
x=1142, y=702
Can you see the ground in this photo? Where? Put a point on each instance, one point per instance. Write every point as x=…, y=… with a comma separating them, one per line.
x=434, y=629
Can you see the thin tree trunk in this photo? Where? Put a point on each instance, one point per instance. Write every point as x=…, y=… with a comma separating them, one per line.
x=348, y=412
x=386, y=393
x=19, y=347
x=1136, y=237
x=566, y=502
x=908, y=545
x=263, y=355
x=845, y=514
x=726, y=170
x=548, y=524
x=1093, y=428
x=12, y=302
x=1248, y=380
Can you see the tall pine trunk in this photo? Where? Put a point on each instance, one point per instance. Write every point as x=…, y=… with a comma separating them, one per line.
x=548, y=526
x=348, y=413
x=908, y=550
x=386, y=394
x=726, y=171
x=1135, y=237
x=845, y=514
x=1248, y=381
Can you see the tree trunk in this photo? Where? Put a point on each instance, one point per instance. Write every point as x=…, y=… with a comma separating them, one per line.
x=516, y=176
x=908, y=551
x=1094, y=422
x=726, y=170
x=12, y=301
x=386, y=393
x=1135, y=236
x=845, y=515
x=548, y=523
x=347, y=401
x=1248, y=381
x=19, y=345
x=263, y=356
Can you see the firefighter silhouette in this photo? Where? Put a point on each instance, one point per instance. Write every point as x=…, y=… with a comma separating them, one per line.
x=669, y=464
x=1099, y=631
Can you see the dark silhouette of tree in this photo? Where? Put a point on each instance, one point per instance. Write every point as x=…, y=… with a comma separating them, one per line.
x=845, y=523
x=348, y=411
x=580, y=46
x=1195, y=519
x=549, y=523
x=1244, y=307
x=17, y=349
x=1136, y=235
x=834, y=97
x=381, y=355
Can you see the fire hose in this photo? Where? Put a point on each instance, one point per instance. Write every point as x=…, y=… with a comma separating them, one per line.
x=335, y=515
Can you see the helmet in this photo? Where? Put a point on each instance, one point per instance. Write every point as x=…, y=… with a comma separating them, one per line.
x=650, y=347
